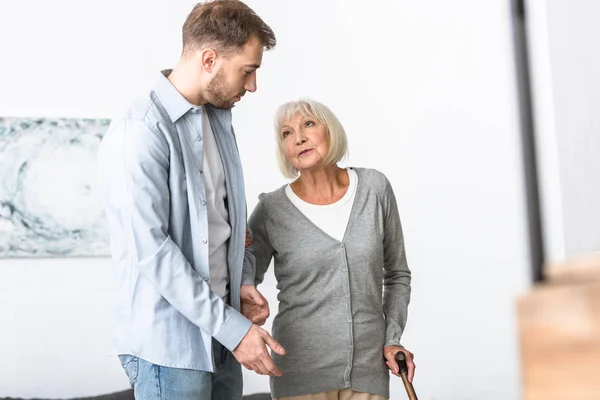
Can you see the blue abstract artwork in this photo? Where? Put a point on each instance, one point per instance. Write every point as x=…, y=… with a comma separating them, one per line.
x=49, y=205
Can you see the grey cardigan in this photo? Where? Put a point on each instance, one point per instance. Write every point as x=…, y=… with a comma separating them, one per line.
x=340, y=303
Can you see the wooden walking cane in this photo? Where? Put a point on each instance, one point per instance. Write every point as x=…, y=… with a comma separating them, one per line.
x=403, y=369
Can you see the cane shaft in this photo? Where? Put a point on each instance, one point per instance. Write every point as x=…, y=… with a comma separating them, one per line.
x=410, y=390
x=403, y=369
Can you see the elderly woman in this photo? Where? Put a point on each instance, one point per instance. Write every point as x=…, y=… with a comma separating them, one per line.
x=340, y=264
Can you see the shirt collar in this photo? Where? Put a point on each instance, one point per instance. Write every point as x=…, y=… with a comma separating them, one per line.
x=173, y=101
x=176, y=105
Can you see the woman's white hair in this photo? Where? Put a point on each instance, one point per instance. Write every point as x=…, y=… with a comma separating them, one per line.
x=338, y=143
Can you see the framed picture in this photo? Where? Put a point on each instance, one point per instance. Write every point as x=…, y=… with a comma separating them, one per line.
x=49, y=205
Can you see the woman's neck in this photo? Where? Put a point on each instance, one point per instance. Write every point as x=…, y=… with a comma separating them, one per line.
x=322, y=186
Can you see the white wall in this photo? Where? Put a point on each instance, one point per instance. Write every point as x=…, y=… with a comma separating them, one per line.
x=551, y=204
x=426, y=91
x=573, y=31
x=566, y=89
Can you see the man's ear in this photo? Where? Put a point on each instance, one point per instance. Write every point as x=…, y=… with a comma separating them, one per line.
x=209, y=57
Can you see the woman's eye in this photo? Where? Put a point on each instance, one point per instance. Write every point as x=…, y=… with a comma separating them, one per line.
x=309, y=124
x=286, y=134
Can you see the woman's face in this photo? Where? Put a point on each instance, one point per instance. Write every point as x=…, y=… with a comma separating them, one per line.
x=305, y=141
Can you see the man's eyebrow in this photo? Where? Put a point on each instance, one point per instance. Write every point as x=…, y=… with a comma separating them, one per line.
x=255, y=66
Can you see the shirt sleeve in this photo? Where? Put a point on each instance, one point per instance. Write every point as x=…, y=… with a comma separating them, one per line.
x=396, y=276
x=261, y=245
x=249, y=270
x=138, y=157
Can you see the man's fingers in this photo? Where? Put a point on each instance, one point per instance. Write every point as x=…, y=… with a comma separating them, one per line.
x=273, y=344
x=270, y=366
x=253, y=354
x=247, y=366
x=265, y=366
x=261, y=368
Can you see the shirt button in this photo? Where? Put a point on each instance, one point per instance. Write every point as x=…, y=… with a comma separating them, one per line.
x=203, y=202
x=348, y=295
x=198, y=138
x=204, y=241
x=348, y=383
x=349, y=321
x=344, y=269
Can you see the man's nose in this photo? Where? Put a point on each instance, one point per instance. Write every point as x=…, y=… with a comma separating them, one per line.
x=250, y=85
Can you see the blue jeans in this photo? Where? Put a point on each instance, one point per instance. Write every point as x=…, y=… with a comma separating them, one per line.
x=154, y=382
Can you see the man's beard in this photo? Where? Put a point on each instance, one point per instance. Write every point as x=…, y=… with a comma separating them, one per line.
x=216, y=92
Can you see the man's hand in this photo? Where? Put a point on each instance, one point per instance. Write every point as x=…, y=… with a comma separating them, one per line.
x=254, y=306
x=390, y=351
x=248, y=238
x=253, y=355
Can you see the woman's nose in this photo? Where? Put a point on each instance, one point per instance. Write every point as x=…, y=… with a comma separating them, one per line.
x=300, y=139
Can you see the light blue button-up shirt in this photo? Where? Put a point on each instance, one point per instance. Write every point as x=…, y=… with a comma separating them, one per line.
x=153, y=190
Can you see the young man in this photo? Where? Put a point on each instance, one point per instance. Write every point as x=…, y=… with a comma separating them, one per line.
x=173, y=192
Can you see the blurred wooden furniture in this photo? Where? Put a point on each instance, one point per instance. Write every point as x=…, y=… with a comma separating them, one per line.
x=559, y=333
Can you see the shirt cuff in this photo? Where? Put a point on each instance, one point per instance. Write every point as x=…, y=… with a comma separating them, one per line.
x=392, y=343
x=248, y=279
x=233, y=330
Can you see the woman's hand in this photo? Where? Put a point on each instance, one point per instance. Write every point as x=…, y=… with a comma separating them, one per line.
x=389, y=352
x=248, y=238
x=254, y=306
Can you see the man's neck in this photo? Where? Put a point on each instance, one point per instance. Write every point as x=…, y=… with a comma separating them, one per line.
x=186, y=80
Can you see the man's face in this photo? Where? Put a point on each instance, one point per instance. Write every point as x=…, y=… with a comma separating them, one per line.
x=236, y=76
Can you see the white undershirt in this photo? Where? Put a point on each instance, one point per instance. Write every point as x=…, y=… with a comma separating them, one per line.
x=219, y=229
x=330, y=218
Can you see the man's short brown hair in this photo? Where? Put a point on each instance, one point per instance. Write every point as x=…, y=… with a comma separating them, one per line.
x=225, y=25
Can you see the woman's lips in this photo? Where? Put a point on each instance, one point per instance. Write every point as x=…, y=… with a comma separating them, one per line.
x=304, y=152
